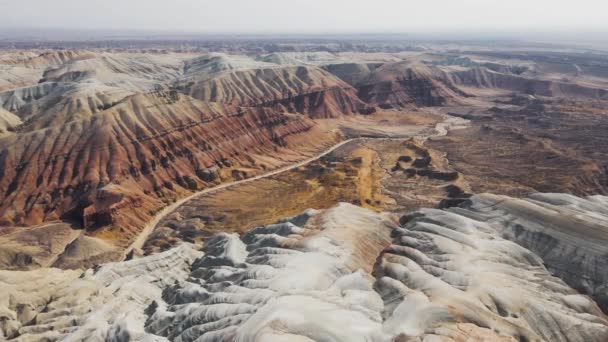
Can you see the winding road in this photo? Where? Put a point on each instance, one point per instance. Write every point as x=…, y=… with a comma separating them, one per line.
x=441, y=129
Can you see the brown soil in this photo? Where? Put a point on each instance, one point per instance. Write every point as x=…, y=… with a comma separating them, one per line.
x=354, y=178
x=360, y=172
x=549, y=148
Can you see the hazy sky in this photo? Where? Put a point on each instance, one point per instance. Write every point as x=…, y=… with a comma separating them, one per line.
x=307, y=16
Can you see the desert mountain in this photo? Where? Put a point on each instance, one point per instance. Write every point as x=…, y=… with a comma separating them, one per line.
x=146, y=143
x=103, y=140
x=158, y=191
x=408, y=83
x=303, y=89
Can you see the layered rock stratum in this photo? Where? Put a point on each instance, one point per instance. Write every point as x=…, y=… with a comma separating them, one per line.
x=138, y=188
x=480, y=271
x=95, y=143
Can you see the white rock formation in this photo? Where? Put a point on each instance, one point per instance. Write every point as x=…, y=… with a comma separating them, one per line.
x=471, y=273
x=570, y=234
x=449, y=269
x=305, y=278
x=106, y=304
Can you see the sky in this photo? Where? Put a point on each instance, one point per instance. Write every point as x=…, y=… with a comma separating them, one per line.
x=305, y=16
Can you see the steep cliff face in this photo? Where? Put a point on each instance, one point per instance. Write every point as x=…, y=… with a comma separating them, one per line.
x=331, y=102
x=348, y=274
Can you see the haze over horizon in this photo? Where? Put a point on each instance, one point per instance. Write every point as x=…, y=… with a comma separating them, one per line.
x=311, y=16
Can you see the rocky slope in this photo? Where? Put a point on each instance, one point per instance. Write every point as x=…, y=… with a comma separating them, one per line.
x=408, y=84
x=99, y=305
x=568, y=233
x=23, y=68
x=143, y=139
x=52, y=104
x=475, y=272
x=476, y=259
x=302, y=89
x=103, y=140
x=133, y=156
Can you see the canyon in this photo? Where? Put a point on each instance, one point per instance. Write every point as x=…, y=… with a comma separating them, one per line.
x=321, y=192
